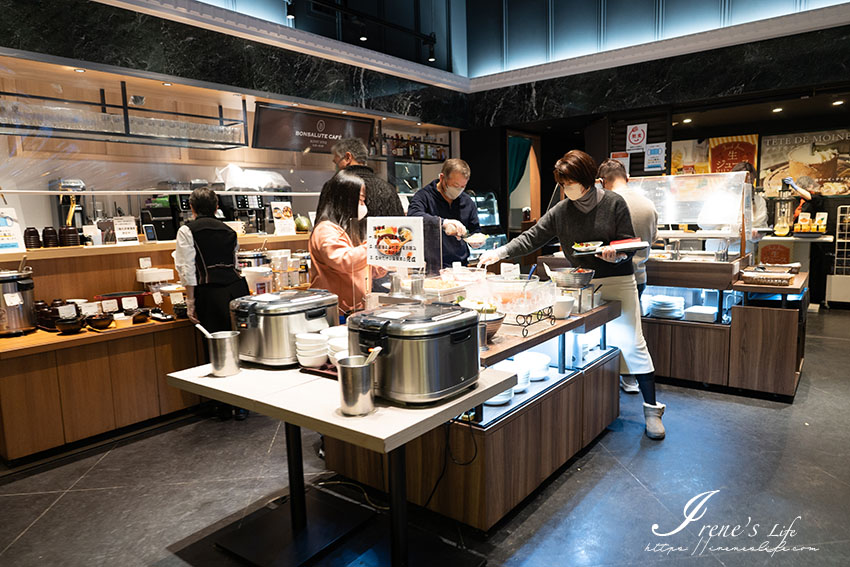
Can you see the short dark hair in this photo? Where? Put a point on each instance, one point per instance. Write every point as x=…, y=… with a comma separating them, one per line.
x=611, y=170
x=203, y=201
x=340, y=198
x=354, y=146
x=576, y=166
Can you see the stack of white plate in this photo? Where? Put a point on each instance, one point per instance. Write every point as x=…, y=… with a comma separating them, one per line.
x=501, y=399
x=701, y=313
x=311, y=349
x=522, y=374
x=537, y=364
x=667, y=307
x=337, y=348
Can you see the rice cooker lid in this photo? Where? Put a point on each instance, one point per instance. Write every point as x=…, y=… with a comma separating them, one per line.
x=285, y=302
x=14, y=275
x=414, y=320
x=251, y=254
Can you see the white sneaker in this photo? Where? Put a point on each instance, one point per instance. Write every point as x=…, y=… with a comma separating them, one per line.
x=629, y=384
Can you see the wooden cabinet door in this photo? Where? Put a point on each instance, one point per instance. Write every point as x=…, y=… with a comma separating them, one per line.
x=657, y=336
x=85, y=388
x=29, y=406
x=132, y=364
x=601, y=396
x=175, y=350
x=700, y=353
x=763, y=353
x=561, y=424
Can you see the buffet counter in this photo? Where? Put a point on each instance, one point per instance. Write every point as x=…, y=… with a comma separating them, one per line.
x=57, y=389
x=503, y=453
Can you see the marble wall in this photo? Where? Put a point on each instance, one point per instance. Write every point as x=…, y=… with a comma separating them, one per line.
x=743, y=71
x=90, y=31
x=94, y=32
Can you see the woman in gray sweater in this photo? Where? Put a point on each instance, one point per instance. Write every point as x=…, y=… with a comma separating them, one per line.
x=590, y=213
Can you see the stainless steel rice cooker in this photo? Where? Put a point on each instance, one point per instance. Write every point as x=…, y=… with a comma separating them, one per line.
x=429, y=352
x=251, y=259
x=268, y=323
x=16, y=302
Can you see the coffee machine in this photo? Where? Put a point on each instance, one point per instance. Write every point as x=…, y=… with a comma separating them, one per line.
x=65, y=203
x=250, y=209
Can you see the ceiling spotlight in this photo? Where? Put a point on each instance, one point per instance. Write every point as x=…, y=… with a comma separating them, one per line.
x=419, y=124
x=431, y=57
x=166, y=84
x=777, y=109
x=384, y=118
x=290, y=16
x=293, y=104
x=79, y=70
x=345, y=112
x=837, y=102
x=687, y=120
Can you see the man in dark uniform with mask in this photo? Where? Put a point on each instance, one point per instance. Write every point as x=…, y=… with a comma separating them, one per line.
x=445, y=198
x=205, y=258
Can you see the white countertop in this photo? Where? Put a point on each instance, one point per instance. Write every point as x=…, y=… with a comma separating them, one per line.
x=801, y=239
x=312, y=401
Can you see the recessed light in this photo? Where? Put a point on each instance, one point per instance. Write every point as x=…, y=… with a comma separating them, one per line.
x=345, y=112
x=837, y=102
x=384, y=118
x=688, y=120
x=294, y=104
x=363, y=38
x=675, y=124
x=166, y=84
x=79, y=70
x=419, y=124
x=290, y=16
x=777, y=109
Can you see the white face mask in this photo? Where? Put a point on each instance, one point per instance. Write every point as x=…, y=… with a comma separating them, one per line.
x=362, y=211
x=453, y=192
x=573, y=191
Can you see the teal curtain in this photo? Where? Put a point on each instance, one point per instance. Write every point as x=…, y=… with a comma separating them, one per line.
x=518, y=148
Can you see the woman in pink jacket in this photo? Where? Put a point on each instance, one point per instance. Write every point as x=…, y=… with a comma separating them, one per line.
x=338, y=261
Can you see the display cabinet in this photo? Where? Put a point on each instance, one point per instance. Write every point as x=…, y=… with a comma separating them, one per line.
x=476, y=471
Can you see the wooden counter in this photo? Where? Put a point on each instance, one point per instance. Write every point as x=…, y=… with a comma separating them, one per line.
x=798, y=284
x=504, y=347
x=247, y=241
x=57, y=389
x=46, y=341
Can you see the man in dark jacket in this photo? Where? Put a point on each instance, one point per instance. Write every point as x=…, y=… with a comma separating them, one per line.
x=382, y=198
x=445, y=199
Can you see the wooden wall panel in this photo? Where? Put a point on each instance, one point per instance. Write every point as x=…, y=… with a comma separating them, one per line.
x=601, y=397
x=763, y=349
x=85, y=388
x=30, y=409
x=658, y=337
x=175, y=350
x=700, y=353
x=132, y=364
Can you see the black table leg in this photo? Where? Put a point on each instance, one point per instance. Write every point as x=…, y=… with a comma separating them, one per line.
x=398, y=507
x=297, y=497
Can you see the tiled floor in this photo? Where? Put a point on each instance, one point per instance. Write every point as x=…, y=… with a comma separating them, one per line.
x=155, y=499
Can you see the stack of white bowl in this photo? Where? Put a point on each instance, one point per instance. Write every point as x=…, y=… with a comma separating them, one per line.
x=311, y=349
x=337, y=342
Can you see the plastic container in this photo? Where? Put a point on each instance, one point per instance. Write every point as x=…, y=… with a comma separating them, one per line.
x=259, y=279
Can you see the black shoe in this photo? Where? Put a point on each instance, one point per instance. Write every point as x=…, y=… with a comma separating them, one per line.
x=224, y=412
x=241, y=414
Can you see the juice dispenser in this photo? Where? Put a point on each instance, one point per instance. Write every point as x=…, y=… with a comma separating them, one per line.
x=783, y=219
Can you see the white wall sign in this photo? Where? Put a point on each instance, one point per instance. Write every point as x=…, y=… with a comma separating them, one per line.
x=11, y=235
x=394, y=242
x=284, y=220
x=125, y=230
x=654, y=157
x=636, y=137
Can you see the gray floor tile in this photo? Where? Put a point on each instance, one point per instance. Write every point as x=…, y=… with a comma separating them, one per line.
x=53, y=479
x=18, y=512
